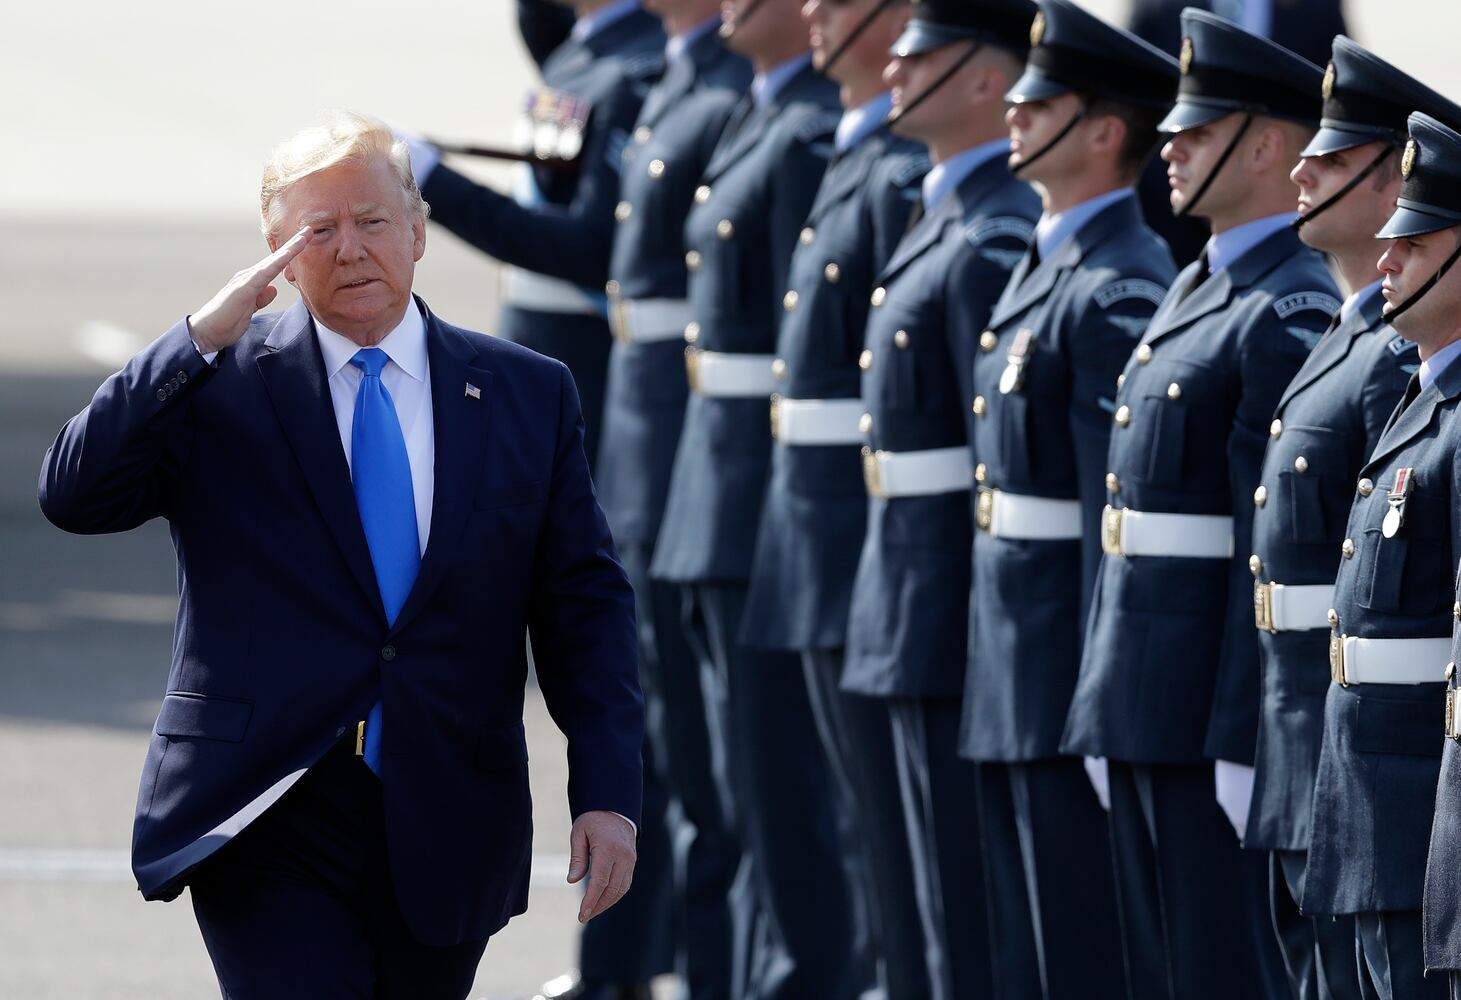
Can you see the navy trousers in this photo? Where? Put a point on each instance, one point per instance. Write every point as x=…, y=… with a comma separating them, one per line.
x=1194, y=905
x=1318, y=951
x=886, y=938
x=939, y=806
x=774, y=778
x=300, y=903
x=1388, y=953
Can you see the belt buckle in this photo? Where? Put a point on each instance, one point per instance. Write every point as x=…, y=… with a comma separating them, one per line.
x=1111, y=520
x=872, y=473
x=984, y=508
x=692, y=368
x=1336, y=660
x=1453, y=724
x=1263, y=606
x=775, y=415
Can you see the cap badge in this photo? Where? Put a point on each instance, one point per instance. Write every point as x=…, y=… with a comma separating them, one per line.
x=1407, y=164
x=1329, y=75
x=1187, y=56
x=1037, y=29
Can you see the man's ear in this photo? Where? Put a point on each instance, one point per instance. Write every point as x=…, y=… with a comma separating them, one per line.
x=418, y=246
x=274, y=244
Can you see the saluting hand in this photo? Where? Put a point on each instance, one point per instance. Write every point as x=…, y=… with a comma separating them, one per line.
x=225, y=317
x=601, y=845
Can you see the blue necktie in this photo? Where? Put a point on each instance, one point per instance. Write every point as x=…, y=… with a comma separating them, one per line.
x=382, y=478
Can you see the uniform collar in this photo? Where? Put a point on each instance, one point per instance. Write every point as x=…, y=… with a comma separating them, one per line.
x=767, y=85
x=676, y=45
x=1053, y=230
x=1358, y=300
x=860, y=122
x=591, y=24
x=1431, y=367
x=949, y=174
x=405, y=345
x=1225, y=249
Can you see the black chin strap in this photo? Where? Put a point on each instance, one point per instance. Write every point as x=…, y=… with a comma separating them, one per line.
x=1389, y=315
x=855, y=34
x=729, y=28
x=1080, y=114
x=1191, y=203
x=897, y=113
x=1354, y=182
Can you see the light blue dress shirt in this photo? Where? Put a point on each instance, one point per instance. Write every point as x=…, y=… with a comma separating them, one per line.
x=948, y=175
x=1053, y=230
x=765, y=86
x=1225, y=249
x=591, y=24
x=676, y=45
x=1358, y=299
x=860, y=122
x=1432, y=366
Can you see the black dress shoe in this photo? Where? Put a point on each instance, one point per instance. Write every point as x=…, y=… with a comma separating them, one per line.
x=571, y=986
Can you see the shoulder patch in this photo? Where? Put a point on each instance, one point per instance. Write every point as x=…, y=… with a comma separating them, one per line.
x=817, y=126
x=1302, y=301
x=1309, y=338
x=1001, y=225
x=1130, y=288
x=1399, y=345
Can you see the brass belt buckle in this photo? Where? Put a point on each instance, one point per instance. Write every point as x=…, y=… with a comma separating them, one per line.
x=1263, y=606
x=872, y=475
x=775, y=415
x=360, y=739
x=984, y=508
x=1111, y=530
x=692, y=368
x=1336, y=660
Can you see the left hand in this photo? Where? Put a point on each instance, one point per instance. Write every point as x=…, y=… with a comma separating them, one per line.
x=602, y=846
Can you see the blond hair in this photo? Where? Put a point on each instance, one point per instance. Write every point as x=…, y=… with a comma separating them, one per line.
x=347, y=138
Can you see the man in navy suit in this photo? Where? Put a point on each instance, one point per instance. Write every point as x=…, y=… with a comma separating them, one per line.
x=370, y=508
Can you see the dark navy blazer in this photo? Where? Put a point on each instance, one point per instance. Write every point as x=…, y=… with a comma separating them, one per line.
x=758, y=187
x=1331, y=417
x=1442, y=902
x=282, y=644
x=1169, y=668
x=907, y=635
x=801, y=583
x=644, y=404
x=1375, y=793
x=1087, y=306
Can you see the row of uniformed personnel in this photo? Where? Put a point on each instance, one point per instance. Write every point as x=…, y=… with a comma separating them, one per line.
x=953, y=673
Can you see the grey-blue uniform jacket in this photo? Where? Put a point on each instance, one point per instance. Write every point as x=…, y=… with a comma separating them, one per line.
x=1375, y=793
x=801, y=580
x=908, y=631
x=1169, y=670
x=750, y=206
x=644, y=404
x=1086, y=306
x=1327, y=424
x=1442, y=917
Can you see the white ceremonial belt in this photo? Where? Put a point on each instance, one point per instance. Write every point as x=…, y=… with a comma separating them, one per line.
x=646, y=321
x=1011, y=515
x=1353, y=660
x=816, y=421
x=916, y=473
x=712, y=373
x=1284, y=608
x=524, y=289
x=1142, y=533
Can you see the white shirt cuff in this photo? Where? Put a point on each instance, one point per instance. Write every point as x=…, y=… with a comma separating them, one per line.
x=632, y=825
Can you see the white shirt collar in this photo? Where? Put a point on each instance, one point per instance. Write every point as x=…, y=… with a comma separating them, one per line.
x=765, y=86
x=591, y=24
x=1225, y=249
x=676, y=45
x=1431, y=367
x=405, y=345
x=1053, y=230
x=948, y=175
x=862, y=121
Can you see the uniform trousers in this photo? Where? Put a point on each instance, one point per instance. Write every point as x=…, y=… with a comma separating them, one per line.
x=300, y=903
x=887, y=940
x=1318, y=951
x=774, y=780
x=1388, y=952
x=1193, y=904
x=1047, y=862
x=940, y=808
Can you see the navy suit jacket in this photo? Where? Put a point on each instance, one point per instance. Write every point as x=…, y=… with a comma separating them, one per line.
x=282, y=644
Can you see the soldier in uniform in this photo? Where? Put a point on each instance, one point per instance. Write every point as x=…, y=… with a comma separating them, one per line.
x=1375, y=792
x=801, y=576
x=1325, y=427
x=544, y=25
x=677, y=129
x=1083, y=124
x=906, y=637
x=748, y=209
x=1169, y=688
x=556, y=229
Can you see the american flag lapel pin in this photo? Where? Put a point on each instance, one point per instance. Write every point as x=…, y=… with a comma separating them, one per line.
x=473, y=392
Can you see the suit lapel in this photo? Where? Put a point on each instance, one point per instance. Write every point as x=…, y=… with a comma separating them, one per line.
x=926, y=234
x=1212, y=295
x=1335, y=347
x=845, y=176
x=741, y=134
x=293, y=372
x=1408, y=424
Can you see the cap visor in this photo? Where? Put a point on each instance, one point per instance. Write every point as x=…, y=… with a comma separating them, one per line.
x=1332, y=139
x=1415, y=221
x=924, y=36
x=1035, y=87
x=1188, y=115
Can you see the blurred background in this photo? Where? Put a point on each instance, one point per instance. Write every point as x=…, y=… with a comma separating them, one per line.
x=134, y=135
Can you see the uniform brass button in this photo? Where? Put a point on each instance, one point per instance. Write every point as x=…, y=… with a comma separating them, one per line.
x=1144, y=353
x=1260, y=496
x=1255, y=565
x=1113, y=485
x=611, y=288
x=642, y=134
x=1120, y=380
x=832, y=272
x=622, y=211
x=1123, y=415
x=388, y=652
x=901, y=339
x=879, y=294
x=988, y=341
x=1301, y=464
x=1275, y=429
x=778, y=368
x=865, y=423
x=656, y=169
x=1366, y=487
x=1333, y=618
x=725, y=229
x=1347, y=549
x=702, y=194
x=789, y=300
x=1174, y=391
x=692, y=260
x=865, y=360
x=692, y=332
x=980, y=406
x=808, y=236
x=981, y=472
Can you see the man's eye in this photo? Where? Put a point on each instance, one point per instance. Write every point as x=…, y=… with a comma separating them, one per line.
x=374, y=222
x=323, y=230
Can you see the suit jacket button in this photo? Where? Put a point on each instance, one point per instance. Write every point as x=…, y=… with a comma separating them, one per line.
x=642, y=134
x=702, y=194
x=1174, y=391
x=1120, y=381
x=901, y=339
x=789, y=300
x=1144, y=353
x=808, y=236
x=981, y=472
x=1366, y=487
x=865, y=423
x=692, y=332
x=725, y=229
x=1260, y=496
x=1301, y=464
x=182, y=377
x=879, y=294
x=1275, y=429
x=692, y=260
x=1347, y=549
x=865, y=360
x=988, y=341
x=1113, y=483
x=656, y=169
x=1333, y=618
x=388, y=652
x=1255, y=565
x=161, y=394
x=622, y=211
x=778, y=368
x=832, y=272
x=980, y=406
x=1123, y=415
